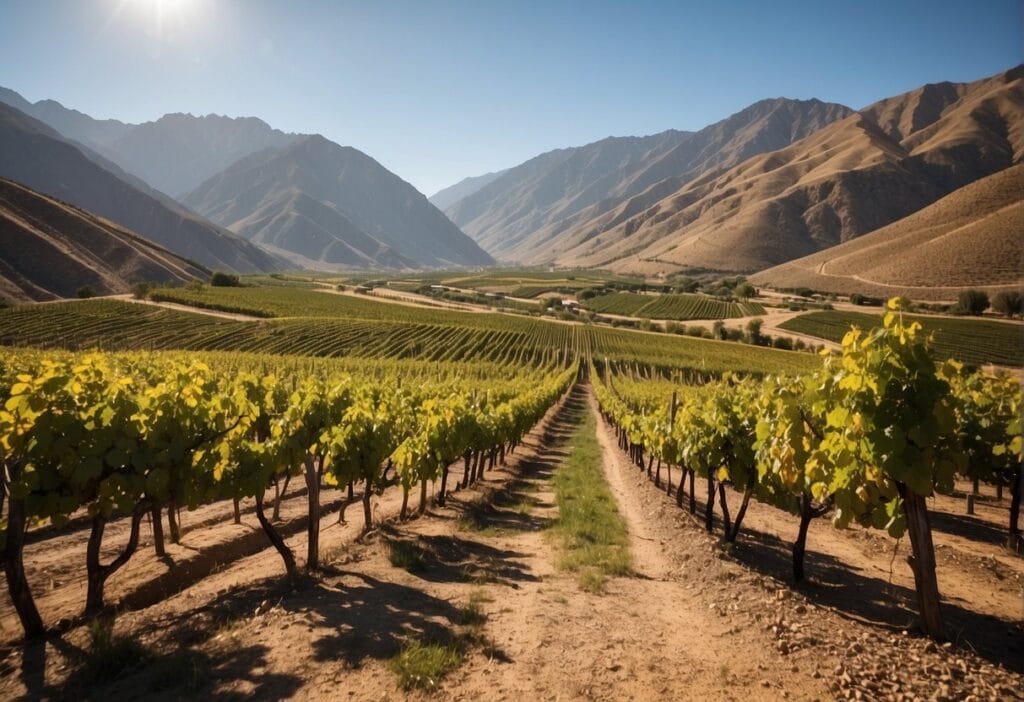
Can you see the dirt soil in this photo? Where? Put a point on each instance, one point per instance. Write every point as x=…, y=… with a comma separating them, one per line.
x=693, y=620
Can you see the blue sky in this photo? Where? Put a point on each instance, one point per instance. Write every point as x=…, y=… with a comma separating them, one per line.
x=440, y=90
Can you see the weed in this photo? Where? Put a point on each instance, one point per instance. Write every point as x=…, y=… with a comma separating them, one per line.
x=422, y=665
x=406, y=555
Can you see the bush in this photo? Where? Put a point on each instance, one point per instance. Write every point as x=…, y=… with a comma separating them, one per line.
x=219, y=279
x=140, y=291
x=745, y=290
x=783, y=342
x=972, y=302
x=675, y=328
x=1008, y=303
x=754, y=335
x=85, y=292
x=718, y=329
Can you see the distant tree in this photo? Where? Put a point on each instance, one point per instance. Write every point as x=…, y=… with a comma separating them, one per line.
x=675, y=328
x=783, y=342
x=220, y=279
x=754, y=335
x=972, y=302
x=587, y=293
x=745, y=291
x=1008, y=303
x=194, y=285
x=718, y=329
x=85, y=292
x=857, y=299
x=140, y=291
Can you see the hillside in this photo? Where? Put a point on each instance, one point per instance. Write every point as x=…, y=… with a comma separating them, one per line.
x=331, y=206
x=446, y=197
x=51, y=249
x=971, y=238
x=852, y=177
x=178, y=152
x=524, y=214
x=37, y=156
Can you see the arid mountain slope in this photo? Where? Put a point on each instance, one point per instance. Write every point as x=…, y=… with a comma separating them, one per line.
x=850, y=178
x=179, y=151
x=521, y=215
x=35, y=155
x=52, y=249
x=446, y=197
x=332, y=206
x=971, y=238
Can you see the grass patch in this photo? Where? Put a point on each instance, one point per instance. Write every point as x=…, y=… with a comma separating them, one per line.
x=594, y=538
x=472, y=614
x=406, y=555
x=422, y=665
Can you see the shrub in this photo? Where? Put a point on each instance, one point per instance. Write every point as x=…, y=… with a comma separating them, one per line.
x=194, y=286
x=972, y=302
x=718, y=329
x=85, y=292
x=1008, y=303
x=754, y=335
x=783, y=342
x=220, y=279
x=745, y=290
x=675, y=328
x=140, y=291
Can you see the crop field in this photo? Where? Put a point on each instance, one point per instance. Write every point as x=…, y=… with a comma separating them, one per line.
x=672, y=306
x=441, y=335
x=116, y=325
x=968, y=340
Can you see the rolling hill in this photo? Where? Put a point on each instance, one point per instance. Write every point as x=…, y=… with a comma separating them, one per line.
x=35, y=155
x=854, y=176
x=329, y=206
x=971, y=238
x=51, y=249
x=523, y=214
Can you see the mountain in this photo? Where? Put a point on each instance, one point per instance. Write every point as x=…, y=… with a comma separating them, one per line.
x=52, y=249
x=446, y=197
x=970, y=238
x=854, y=176
x=177, y=152
x=332, y=206
x=72, y=124
x=35, y=155
x=523, y=214
x=173, y=154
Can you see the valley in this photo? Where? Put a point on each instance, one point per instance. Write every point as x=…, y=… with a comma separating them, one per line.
x=457, y=352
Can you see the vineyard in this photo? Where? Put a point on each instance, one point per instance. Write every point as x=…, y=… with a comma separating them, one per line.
x=366, y=477
x=866, y=438
x=672, y=306
x=968, y=340
x=115, y=325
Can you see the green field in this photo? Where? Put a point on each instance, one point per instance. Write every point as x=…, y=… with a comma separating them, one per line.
x=969, y=340
x=674, y=306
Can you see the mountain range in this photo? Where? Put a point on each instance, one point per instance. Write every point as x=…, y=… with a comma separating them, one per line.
x=35, y=155
x=784, y=186
x=318, y=205
x=779, y=180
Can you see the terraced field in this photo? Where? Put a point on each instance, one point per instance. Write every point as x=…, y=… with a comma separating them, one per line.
x=969, y=340
x=672, y=306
